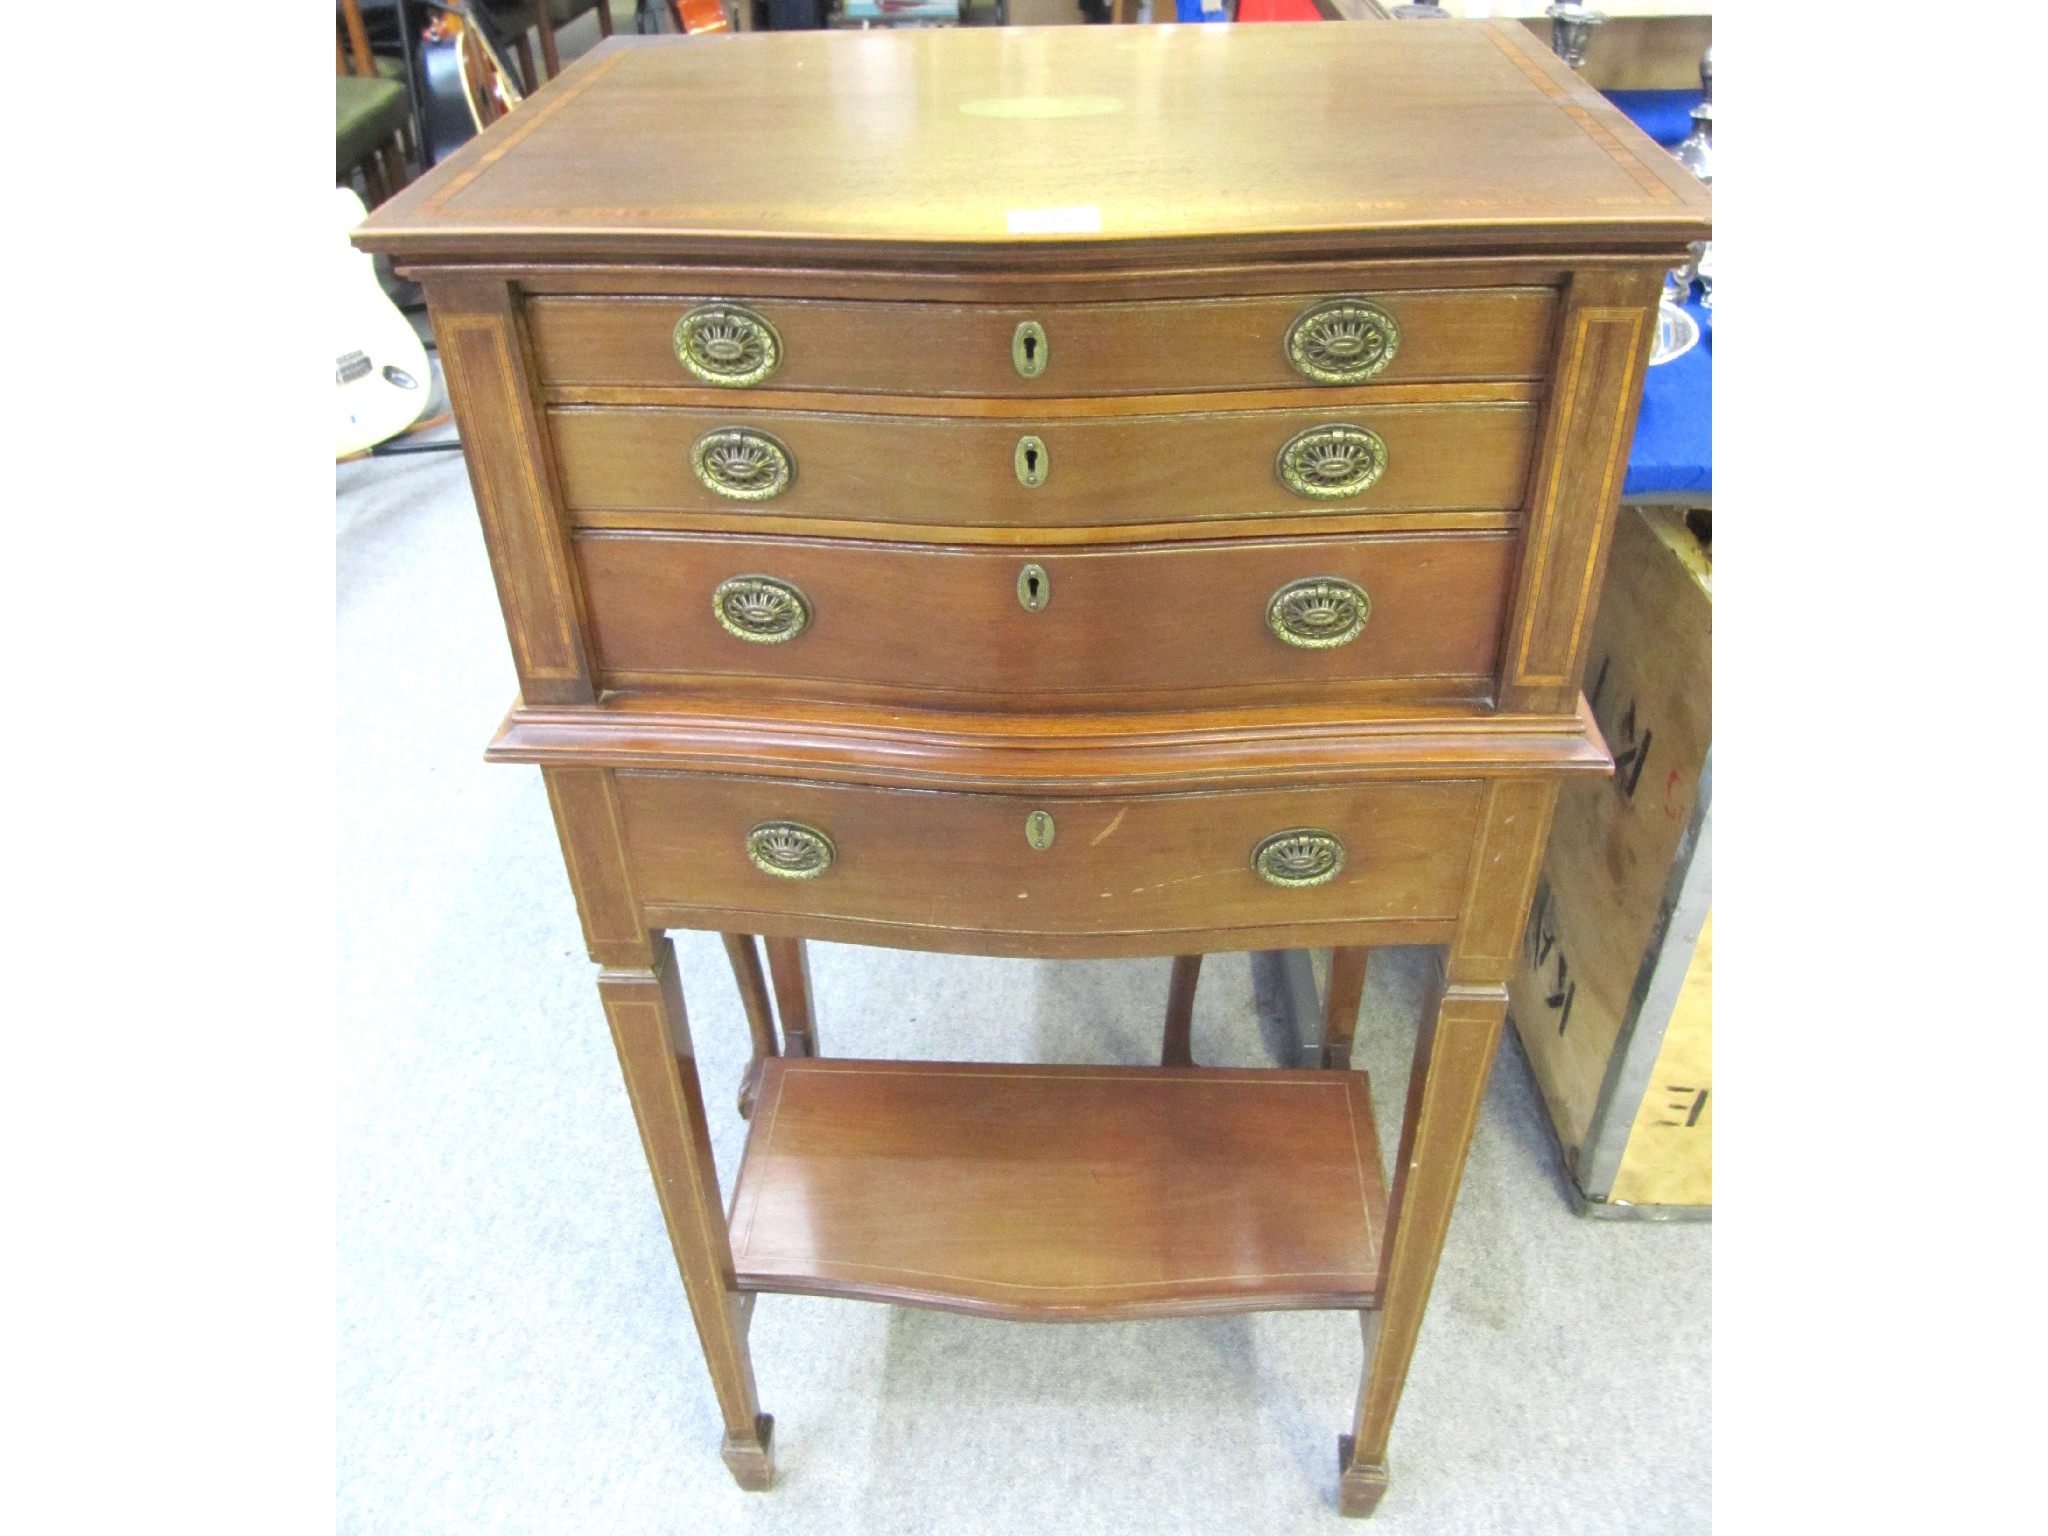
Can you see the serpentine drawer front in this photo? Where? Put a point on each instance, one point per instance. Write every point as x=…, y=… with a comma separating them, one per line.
x=1387, y=854
x=1097, y=471
x=1070, y=492
x=1282, y=341
x=1408, y=615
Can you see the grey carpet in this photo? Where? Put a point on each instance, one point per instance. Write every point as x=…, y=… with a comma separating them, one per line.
x=514, y=1350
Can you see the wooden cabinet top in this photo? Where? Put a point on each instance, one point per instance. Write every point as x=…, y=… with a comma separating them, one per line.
x=1027, y=146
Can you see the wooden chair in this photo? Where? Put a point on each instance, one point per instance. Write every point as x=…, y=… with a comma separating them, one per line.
x=513, y=19
x=371, y=114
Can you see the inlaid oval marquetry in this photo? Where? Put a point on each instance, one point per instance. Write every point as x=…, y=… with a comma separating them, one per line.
x=789, y=850
x=761, y=609
x=727, y=344
x=1301, y=857
x=1342, y=341
x=742, y=463
x=1332, y=461
x=1319, y=613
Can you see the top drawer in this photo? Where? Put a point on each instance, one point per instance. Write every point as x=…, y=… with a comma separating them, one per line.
x=1073, y=349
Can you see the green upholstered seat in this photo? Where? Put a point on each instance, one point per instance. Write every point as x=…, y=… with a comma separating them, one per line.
x=366, y=114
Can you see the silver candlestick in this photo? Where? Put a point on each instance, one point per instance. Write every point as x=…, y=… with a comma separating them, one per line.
x=1696, y=153
x=1571, y=28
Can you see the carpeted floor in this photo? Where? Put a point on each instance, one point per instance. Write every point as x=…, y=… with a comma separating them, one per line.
x=514, y=1351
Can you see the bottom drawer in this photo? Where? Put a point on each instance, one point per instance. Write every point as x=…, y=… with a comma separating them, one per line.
x=740, y=853
x=1113, y=626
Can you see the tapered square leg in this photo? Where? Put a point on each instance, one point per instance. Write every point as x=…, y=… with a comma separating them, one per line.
x=1359, y=1487
x=752, y=1462
x=789, y=967
x=643, y=1003
x=645, y=1008
x=1454, y=1053
x=1177, y=1047
x=745, y=956
x=1340, y=1005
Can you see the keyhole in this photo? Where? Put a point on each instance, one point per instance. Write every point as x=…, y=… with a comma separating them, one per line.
x=1028, y=349
x=1034, y=588
x=1034, y=463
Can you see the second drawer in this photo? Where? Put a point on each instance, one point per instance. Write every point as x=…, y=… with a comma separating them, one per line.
x=1410, y=616
x=1045, y=472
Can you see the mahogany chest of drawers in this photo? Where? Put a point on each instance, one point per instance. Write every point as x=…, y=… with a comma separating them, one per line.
x=1075, y=492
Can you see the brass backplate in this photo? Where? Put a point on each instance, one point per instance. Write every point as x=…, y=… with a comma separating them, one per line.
x=1300, y=856
x=789, y=850
x=763, y=609
x=1342, y=341
x=1319, y=613
x=742, y=464
x=727, y=344
x=1332, y=461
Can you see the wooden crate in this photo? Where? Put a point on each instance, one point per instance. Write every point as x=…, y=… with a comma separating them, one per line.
x=1612, y=1001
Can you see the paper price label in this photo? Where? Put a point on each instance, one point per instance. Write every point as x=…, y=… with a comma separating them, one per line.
x=1085, y=220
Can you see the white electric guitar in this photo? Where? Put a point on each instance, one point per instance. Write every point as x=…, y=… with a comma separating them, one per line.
x=381, y=378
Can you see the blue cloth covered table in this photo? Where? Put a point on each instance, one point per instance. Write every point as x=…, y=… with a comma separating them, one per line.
x=1674, y=446
x=1673, y=454
x=1665, y=116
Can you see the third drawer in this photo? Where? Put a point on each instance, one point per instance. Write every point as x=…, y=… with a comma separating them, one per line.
x=1414, y=617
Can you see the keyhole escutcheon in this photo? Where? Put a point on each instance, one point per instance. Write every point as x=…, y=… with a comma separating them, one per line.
x=1039, y=830
x=1028, y=350
x=1033, y=463
x=1034, y=588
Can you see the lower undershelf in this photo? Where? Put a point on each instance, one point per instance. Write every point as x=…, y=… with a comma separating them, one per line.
x=1061, y=1193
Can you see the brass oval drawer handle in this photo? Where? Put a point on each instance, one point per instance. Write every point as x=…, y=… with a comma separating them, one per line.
x=1319, y=613
x=727, y=344
x=1328, y=462
x=1302, y=856
x=743, y=464
x=761, y=609
x=1028, y=349
x=1342, y=341
x=789, y=850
